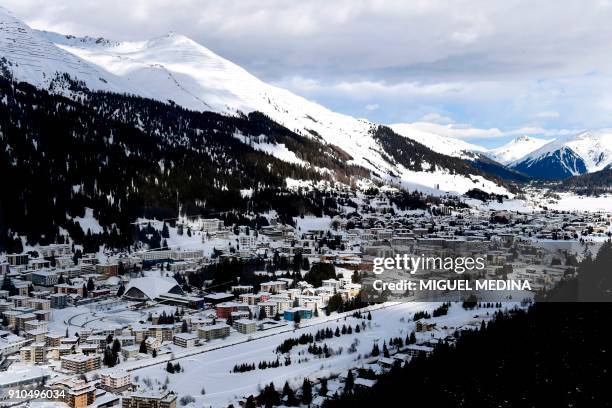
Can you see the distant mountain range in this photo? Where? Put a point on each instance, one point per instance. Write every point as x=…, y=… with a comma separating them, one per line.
x=568, y=156
x=516, y=149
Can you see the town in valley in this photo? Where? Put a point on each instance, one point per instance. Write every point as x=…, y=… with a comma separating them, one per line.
x=220, y=311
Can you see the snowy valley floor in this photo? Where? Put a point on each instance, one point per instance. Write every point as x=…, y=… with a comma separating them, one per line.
x=211, y=370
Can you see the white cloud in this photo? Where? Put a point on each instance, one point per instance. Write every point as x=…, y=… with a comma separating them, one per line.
x=436, y=118
x=372, y=106
x=465, y=131
x=457, y=130
x=457, y=39
x=366, y=89
x=499, y=65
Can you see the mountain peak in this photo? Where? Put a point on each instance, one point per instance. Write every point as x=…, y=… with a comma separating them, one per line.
x=517, y=148
x=32, y=57
x=592, y=150
x=172, y=38
x=523, y=138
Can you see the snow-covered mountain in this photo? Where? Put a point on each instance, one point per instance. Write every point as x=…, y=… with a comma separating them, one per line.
x=175, y=68
x=594, y=147
x=449, y=146
x=515, y=149
x=585, y=152
x=28, y=57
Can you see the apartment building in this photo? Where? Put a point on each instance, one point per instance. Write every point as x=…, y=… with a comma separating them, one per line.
x=80, y=363
x=245, y=326
x=185, y=340
x=215, y=331
x=115, y=380
x=149, y=399
x=35, y=353
x=77, y=393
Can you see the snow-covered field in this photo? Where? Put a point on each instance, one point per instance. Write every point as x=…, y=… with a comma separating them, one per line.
x=572, y=202
x=111, y=315
x=211, y=371
x=535, y=201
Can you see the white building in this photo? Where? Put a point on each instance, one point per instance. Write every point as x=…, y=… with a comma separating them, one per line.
x=115, y=380
x=245, y=326
x=186, y=340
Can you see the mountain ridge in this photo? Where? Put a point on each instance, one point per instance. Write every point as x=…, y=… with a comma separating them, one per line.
x=516, y=149
x=584, y=152
x=33, y=59
x=175, y=69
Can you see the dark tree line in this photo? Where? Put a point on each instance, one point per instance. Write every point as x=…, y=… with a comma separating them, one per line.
x=126, y=157
x=554, y=354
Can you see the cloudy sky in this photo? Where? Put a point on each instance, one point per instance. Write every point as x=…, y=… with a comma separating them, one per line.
x=482, y=70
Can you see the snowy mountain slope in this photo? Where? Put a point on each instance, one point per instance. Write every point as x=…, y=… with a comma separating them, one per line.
x=516, y=149
x=556, y=164
x=478, y=156
x=441, y=144
x=175, y=68
x=27, y=57
x=594, y=147
x=585, y=152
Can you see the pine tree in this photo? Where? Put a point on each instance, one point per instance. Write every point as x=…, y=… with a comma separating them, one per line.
x=291, y=398
x=324, y=390
x=116, y=346
x=250, y=401
x=375, y=350
x=7, y=284
x=90, y=285
x=350, y=382
x=286, y=388
x=306, y=392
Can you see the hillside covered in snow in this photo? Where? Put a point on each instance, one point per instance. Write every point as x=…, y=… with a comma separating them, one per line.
x=174, y=69
x=564, y=157
x=517, y=148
